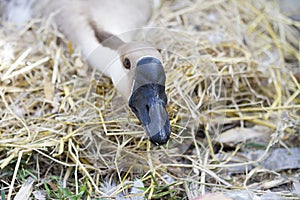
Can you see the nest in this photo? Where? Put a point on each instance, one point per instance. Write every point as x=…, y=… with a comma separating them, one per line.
x=228, y=63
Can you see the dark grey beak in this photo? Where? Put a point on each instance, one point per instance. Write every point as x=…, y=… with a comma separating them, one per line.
x=148, y=99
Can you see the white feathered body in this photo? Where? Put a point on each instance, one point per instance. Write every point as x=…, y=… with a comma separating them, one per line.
x=74, y=17
x=83, y=22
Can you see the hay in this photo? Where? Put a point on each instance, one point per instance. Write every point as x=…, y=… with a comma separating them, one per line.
x=228, y=63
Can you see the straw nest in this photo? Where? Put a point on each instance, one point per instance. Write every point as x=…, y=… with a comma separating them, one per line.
x=228, y=64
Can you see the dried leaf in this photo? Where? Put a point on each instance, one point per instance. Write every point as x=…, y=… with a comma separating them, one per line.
x=213, y=196
x=296, y=189
x=237, y=135
x=26, y=190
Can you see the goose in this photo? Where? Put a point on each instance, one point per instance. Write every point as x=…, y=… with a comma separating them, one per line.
x=96, y=26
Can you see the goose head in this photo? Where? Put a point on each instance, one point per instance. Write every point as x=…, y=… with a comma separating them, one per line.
x=139, y=76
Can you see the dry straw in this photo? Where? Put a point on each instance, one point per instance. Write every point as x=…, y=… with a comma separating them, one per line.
x=228, y=63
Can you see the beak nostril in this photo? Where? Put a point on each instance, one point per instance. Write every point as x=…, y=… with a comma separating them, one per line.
x=148, y=108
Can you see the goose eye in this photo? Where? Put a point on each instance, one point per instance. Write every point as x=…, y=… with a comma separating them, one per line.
x=127, y=63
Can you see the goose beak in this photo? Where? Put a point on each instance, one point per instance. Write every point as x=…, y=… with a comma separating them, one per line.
x=148, y=99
